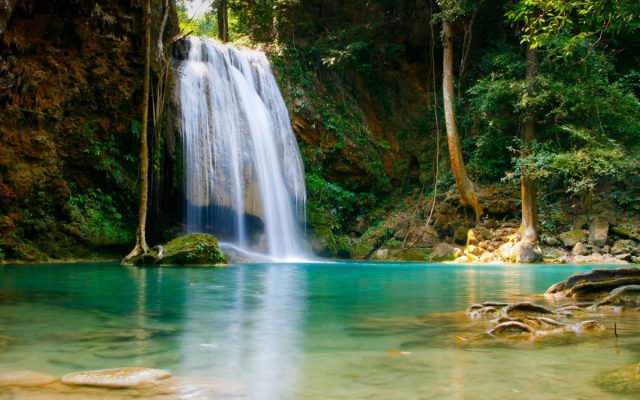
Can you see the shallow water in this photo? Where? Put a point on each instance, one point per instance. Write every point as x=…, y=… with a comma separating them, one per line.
x=296, y=331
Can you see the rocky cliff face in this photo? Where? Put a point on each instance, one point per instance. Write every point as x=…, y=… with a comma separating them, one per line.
x=70, y=89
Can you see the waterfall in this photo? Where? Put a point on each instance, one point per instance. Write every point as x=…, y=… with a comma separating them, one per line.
x=243, y=174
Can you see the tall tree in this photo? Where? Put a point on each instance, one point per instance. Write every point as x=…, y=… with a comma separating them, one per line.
x=529, y=251
x=223, y=20
x=470, y=193
x=141, y=241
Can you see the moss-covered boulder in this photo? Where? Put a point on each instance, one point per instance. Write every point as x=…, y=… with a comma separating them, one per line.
x=191, y=249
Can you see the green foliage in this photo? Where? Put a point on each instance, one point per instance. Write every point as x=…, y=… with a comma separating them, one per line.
x=566, y=27
x=98, y=220
x=330, y=205
x=107, y=158
x=588, y=125
x=204, y=25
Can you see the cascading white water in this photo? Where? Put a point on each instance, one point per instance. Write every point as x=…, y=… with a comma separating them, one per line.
x=241, y=161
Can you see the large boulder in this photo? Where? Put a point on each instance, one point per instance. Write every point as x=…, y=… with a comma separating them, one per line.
x=571, y=238
x=191, y=249
x=623, y=246
x=443, y=252
x=599, y=232
x=580, y=249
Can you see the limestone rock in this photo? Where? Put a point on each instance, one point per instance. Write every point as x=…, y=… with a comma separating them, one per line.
x=487, y=257
x=473, y=250
x=25, y=378
x=571, y=238
x=442, y=252
x=552, y=241
x=130, y=378
x=622, y=246
x=477, y=235
x=551, y=254
x=504, y=250
x=626, y=232
x=599, y=232
x=579, y=249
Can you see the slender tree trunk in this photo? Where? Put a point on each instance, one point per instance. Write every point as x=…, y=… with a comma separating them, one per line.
x=529, y=251
x=528, y=185
x=141, y=241
x=223, y=20
x=469, y=192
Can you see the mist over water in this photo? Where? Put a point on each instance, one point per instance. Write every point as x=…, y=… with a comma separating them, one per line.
x=244, y=178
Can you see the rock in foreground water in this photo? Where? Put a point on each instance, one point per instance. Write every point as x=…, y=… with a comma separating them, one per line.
x=623, y=380
x=25, y=378
x=130, y=378
x=595, y=284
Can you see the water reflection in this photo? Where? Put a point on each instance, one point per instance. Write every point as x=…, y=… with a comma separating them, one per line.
x=247, y=330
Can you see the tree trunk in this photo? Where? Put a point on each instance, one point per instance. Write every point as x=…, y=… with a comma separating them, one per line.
x=528, y=185
x=223, y=20
x=141, y=241
x=469, y=192
x=529, y=250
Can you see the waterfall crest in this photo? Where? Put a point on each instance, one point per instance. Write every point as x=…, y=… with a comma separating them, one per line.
x=243, y=173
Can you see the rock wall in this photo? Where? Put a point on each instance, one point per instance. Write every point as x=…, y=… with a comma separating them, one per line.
x=70, y=95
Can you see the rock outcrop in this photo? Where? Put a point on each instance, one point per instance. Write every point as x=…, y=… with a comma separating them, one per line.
x=191, y=249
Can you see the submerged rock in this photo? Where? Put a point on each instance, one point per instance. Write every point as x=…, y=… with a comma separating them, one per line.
x=25, y=378
x=130, y=378
x=624, y=296
x=525, y=309
x=623, y=380
x=511, y=328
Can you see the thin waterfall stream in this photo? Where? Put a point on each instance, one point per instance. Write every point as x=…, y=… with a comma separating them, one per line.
x=243, y=173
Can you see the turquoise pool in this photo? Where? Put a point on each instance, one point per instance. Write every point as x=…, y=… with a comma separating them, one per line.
x=302, y=331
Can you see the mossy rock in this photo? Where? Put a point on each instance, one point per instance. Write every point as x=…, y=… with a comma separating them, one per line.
x=413, y=254
x=191, y=249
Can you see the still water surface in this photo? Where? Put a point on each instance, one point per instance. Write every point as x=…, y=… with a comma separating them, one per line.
x=302, y=331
